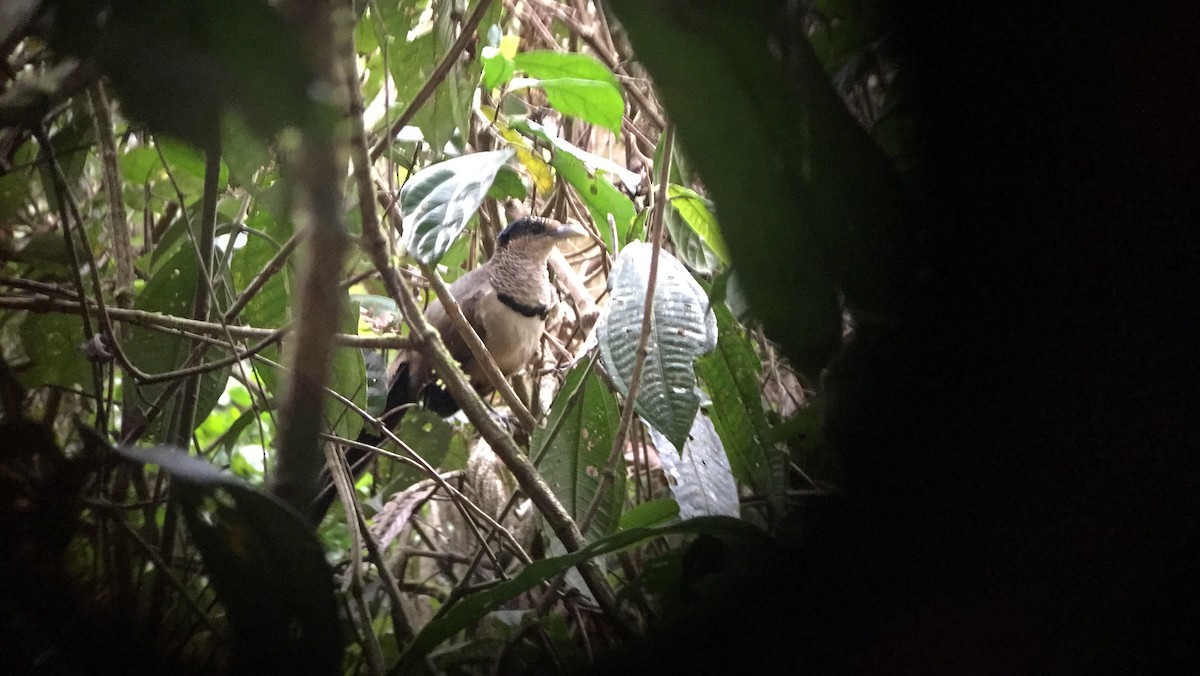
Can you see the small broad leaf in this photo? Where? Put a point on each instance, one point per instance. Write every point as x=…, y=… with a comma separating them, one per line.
x=652, y=513
x=697, y=212
x=575, y=84
x=438, y=201
x=52, y=343
x=574, y=447
x=596, y=102
x=592, y=177
x=730, y=375
x=539, y=171
x=547, y=64
x=348, y=378
x=497, y=68
x=680, y=330
x=266, y=565
x=689, y=247
x=700, y=478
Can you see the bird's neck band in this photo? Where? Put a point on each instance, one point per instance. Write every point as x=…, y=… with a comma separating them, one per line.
x=527, y=310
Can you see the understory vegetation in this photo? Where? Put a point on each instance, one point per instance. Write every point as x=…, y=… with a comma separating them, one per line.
x=211, y=211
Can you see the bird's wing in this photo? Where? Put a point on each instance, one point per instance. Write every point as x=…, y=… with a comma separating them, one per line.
x=469, y=291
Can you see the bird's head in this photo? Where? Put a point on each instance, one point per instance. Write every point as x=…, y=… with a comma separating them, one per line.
x=535, y=236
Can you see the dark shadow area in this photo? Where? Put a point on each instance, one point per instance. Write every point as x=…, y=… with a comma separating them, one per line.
x=1022, y=456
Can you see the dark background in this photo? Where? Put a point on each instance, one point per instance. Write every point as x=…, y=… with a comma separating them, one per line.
x=1023, y=457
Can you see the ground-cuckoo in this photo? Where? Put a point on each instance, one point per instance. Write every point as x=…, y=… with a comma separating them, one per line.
x=506, y=300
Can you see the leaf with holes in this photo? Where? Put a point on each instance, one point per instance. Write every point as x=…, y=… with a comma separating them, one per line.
x=574, y=447
x=680, y=330
x=699, y=476
x=438, y=201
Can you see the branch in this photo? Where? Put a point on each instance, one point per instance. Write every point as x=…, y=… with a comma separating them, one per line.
x=320, y=168
x=435, y=78
x=478, y=349
x=177, y=325
x=635, y=377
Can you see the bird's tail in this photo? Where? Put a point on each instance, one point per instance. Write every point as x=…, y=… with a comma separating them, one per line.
x=399, y=398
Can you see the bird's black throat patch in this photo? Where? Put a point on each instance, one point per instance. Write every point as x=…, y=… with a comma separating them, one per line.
x=527, y=310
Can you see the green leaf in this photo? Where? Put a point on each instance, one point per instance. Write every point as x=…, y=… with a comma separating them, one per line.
x=592, y=177
x=681, y=330
x=697, y=212
x=265, y=563
x=52, y=343
x=689, y=247
x=807, y=447
x=575, y=84
x=730, y=376
x=507, y=184
x=651, y=513
x=813, y=202
x=438, y=201
x=427, y=434
x=497, y=68
x=348, y=378
x=699, y=476
x=242, y=151
x=171, y=292
x=469, y=610
x=548, y=65
x=582, y=421
x=187, y=166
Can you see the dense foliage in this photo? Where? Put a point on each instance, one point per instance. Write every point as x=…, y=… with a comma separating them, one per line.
x=162, y=177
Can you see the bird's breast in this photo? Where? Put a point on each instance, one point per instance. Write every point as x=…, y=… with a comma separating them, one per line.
x=511, y=337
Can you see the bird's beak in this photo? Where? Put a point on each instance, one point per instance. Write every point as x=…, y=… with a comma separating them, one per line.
x=568, y=230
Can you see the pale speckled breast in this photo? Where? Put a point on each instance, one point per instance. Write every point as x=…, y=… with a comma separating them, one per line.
x=512, y=338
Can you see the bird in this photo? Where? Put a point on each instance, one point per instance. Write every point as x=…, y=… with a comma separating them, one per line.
x=506, y=300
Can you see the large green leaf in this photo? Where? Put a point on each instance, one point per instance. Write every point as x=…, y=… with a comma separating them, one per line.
x=438, y=201
x=547, y=65
x=699, y=476
x=575, y=84
x=171, y=292
x=730, y=376
x=681, y=330
x=469, y=610
x=52, y=342
x=808, y=203
x=265, y=564
x=582, y=422
x=592, y=177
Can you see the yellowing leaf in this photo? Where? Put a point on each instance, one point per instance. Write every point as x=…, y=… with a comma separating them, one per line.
x=543, y=180
x=509, y=44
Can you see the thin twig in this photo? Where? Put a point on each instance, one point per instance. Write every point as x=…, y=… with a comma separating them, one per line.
x=435, y=78
x=181, y=325
x=639, y=362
